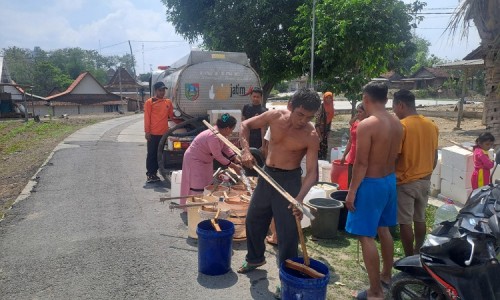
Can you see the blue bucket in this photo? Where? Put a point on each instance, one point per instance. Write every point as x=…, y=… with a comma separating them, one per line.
x=295, y=285
x=214, y=248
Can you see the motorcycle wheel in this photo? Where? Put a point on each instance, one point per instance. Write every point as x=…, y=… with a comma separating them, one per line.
x=406, y=287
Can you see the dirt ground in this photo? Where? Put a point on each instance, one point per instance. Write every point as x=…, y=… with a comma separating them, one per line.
x=447, y=122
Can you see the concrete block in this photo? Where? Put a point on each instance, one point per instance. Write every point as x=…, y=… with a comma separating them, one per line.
x=457, y=158
x=456, y=193
x=437, y=169
x=435, y=182
x=446, y=172
x=461, y=179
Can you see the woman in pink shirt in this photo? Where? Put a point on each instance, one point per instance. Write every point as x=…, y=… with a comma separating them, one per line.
x=350, y=149
x=197, y=164
x=482, y=162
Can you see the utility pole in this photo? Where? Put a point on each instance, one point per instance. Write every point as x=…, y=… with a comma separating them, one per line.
x=312, y=43
x=135, y=74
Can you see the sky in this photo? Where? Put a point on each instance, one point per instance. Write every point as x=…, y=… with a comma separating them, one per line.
x=108, y=25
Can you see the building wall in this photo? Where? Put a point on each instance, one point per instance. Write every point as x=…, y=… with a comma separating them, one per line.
x=91, y=109
x=88, y=86
x=40, y=110
x=66, y=109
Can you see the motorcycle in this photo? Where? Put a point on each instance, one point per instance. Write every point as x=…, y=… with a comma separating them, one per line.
x=459, y=259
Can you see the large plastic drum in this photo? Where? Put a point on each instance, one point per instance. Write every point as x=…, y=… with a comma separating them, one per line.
x=340, y=174
x=295, y=285
x=214, y=248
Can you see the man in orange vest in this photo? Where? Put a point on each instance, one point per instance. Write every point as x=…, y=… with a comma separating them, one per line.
x=157, y=111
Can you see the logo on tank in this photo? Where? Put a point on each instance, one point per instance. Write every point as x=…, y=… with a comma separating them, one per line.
x=192, y=91
x=224, y=91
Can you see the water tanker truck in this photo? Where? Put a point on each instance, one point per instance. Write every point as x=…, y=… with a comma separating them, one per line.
x=202, y=86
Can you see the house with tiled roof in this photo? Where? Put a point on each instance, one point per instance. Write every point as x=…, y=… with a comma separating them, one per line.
x=426, y=77
x=14, y=98
x=85, y=96
x=123, y=84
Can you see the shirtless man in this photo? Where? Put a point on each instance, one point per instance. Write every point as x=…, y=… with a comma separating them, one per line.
x=372, y=197
x=293, y=136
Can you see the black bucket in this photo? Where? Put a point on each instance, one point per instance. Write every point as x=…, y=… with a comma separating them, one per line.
x=340, y=196
x=326, y=221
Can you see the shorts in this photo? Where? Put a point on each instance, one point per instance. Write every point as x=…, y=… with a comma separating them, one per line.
x=412, y=201
x=376, y=206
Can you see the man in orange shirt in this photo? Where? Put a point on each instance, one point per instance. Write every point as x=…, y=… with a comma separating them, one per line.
x=323, y=123
x=157, y=111
x=414, y=168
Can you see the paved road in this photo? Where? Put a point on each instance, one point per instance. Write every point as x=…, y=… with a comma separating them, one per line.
x=92, y=229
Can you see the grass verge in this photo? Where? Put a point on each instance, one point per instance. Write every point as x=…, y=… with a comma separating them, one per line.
x=340, y=254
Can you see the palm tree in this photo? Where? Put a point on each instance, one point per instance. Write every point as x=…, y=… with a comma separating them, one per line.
x=485, y=14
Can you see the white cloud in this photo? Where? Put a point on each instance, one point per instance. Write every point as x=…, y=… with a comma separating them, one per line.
x=110, y=22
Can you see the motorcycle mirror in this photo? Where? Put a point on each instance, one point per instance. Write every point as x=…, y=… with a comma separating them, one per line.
x=497, y=157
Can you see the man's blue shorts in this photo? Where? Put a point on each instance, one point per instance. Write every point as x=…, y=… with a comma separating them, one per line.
x=376, y=206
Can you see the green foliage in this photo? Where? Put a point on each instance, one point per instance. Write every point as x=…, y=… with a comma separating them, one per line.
x=58, y=68
x=356, y=40
x=257, y=27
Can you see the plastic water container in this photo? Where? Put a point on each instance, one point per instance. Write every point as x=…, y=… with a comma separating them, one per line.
x=314, y=192
x=214, y=248
x=339, y=174
x=175, y=183
x=324, y=170
x=295, y=285
x=336, y=153
x=446, y=212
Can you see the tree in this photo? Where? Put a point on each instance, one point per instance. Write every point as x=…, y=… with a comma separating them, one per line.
x=257, y=27
x=20, y=65
x=418, y=57
x=484, y=14
x=356, y=40
x=46, y=70
x=49, y=76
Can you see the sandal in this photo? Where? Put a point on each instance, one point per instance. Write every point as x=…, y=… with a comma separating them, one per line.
x=246, y=267
x=362, y=295
x=270, y=241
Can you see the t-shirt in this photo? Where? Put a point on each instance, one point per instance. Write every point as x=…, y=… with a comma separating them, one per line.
x=418, y=150
x=156, y=114
x=351, y=156
x=248, y=112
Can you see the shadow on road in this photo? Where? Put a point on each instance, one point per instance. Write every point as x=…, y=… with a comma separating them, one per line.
x=160, y=186
x=218, y=282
